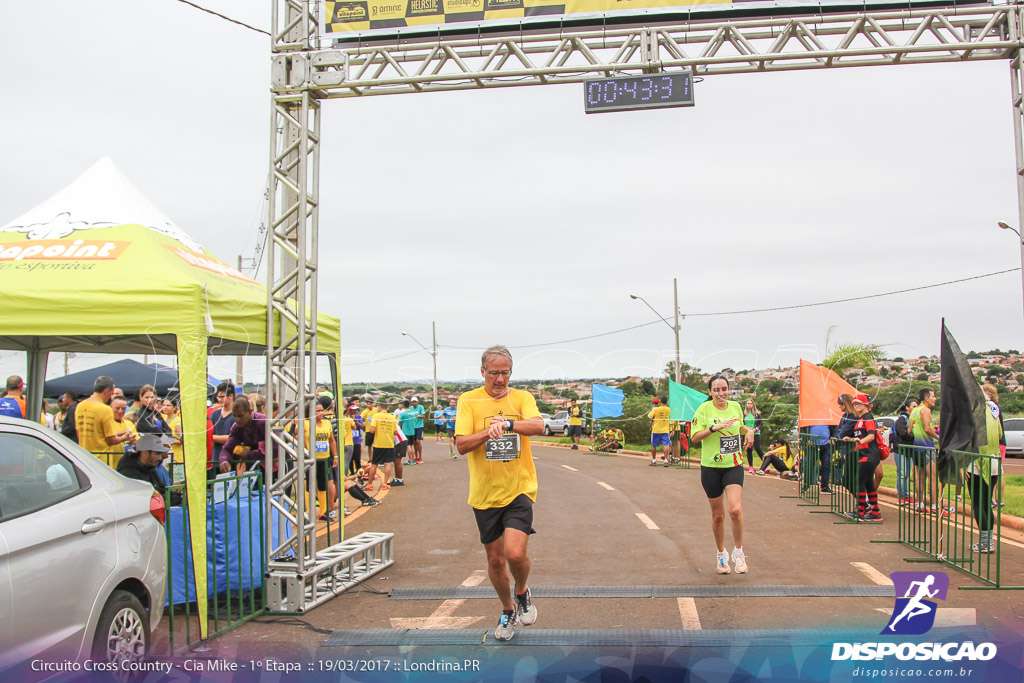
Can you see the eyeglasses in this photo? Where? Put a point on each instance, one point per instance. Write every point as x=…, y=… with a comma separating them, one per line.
x=499, y=373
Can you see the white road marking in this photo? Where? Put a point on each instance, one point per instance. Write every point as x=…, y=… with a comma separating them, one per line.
x=948, y=616
x=572, y=469
x=601, y=483
x=647, y=521
x=442, y=617
x=873, y=574
x=688, y=613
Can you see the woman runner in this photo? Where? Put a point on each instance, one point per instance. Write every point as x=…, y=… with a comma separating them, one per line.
x=752, y=419
x=717, y=426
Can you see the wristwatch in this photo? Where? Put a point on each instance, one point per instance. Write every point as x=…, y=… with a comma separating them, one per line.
x=509, y=424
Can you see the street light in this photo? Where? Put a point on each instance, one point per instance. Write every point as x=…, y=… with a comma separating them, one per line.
x=675, y=328
x=433, y=327
x=1020, y=237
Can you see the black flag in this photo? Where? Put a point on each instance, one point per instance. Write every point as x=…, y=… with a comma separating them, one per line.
x=962, y=415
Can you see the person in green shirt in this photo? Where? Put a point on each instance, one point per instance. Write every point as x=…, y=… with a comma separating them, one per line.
x=718, y=427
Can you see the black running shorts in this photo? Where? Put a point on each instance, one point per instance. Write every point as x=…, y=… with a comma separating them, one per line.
x=323, y=473
x=715, y=479
x=492, y=522
x=383, y=456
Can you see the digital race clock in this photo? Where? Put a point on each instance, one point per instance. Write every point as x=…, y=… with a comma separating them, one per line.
x=649, y=91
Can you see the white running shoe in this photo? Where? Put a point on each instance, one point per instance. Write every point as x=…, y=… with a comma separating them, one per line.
x=506, y=627
x=526, y=611
x=740, y=560
x=722, y=563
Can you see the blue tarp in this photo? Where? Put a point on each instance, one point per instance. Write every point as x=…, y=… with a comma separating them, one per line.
x=127, y=374
x=607, y=401
x=235, y=539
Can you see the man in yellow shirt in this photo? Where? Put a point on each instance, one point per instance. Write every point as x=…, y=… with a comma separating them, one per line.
x=575, y=424
x=383, y=428
x=368, y=412
x=493, y=425
x=119, y=406
x=94, y=421
x=659, y=417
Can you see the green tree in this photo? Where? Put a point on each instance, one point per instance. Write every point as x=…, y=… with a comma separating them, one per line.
x=630, y=388
x=847, y=356
x=780, y=419
x=690, y=376
x=647, y=387
x=771, y=386
x=922, y=377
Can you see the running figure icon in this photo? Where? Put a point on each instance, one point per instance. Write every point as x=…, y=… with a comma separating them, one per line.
x=916, y=605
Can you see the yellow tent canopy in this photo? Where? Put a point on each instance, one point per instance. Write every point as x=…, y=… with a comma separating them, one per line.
x=98, y=268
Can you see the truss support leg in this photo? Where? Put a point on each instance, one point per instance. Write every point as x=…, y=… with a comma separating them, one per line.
x=1017, y=80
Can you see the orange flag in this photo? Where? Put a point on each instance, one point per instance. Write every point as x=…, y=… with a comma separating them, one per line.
x=820, y=389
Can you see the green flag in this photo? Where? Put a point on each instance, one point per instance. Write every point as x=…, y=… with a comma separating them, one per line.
x=683, y=401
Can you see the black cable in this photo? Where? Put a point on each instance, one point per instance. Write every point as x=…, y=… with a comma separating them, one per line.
x=217, y=14
x=566, y=341
x=854, y=298
x=752, y=310
x=383, y=360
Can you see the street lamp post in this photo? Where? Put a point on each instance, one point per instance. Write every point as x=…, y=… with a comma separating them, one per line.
x=433, y=354
x=1020, y=238
x=675, y=328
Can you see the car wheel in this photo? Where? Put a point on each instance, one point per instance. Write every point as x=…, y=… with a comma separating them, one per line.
x=565, y=431
x=547, y=430
x=122, y=634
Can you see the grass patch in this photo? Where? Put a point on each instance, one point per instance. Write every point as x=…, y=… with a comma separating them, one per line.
x=1013, y=494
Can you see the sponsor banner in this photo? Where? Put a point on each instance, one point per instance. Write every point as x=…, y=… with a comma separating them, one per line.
x=62, y=250
x=214, y=265
x=343, y=16
x=768, y=655
x=352, y=18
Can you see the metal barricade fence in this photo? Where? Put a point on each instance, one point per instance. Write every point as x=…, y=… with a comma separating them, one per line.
x=680, y=456
x=955, y=516
x=845, y=483
x=235, y=547
x=810, y=468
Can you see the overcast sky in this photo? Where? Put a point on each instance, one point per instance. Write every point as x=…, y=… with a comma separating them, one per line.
x=509, y=216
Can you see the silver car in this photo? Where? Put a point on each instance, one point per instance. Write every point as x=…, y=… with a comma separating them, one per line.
x=557, y=423
x=1013, y=428
x=82, y=555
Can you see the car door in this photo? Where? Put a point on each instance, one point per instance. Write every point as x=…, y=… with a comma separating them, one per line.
x=60, y=546
x=6, y=611
x=1014, y=430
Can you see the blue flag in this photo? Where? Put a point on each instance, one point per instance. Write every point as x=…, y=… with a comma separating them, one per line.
x=607, y=401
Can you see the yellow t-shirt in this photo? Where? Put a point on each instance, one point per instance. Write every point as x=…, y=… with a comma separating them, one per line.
x=121, y=425
x=349, y=424
x=493, y=483
x=384, y=427
x=660, y=416
x=94, y=421
x=324, y=431
x=177, y=448
x=574, y=417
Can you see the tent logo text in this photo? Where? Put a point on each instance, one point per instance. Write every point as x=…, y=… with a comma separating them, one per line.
x=207, y=263
x=62, y=250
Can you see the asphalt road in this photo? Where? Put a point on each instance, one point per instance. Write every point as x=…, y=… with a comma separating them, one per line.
x=615, y=521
